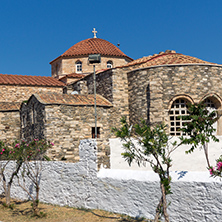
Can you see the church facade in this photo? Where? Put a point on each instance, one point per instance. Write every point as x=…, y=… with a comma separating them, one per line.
x=156, y=88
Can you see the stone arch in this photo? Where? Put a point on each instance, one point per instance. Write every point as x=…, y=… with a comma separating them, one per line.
x=180, y=96
x=213, y=98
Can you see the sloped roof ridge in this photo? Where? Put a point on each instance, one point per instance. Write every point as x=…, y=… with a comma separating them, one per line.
x=73, y=75
x=68, y=99
x=13, y=79
x=170, y=57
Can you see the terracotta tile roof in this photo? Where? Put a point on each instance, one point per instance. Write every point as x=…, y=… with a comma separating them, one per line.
x=93, y=46
x=164, y=58
x=67, y=99
x=73, y=75
x=6, y=79
x=9, y=106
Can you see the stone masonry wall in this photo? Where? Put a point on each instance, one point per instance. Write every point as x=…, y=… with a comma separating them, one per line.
x=66, y=125
x=152, y=89
x=112, y=85
x=120, y=93
x=68, y=65
x=196, y=196
x=56, y=69
x=32, y=116
x=11, y=93
x=9, y=126
x=104, y=85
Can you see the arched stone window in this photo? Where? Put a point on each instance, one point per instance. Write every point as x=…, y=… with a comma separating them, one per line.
x=213, y=104
x=177, y=109
x=78, y=66
x=109, y=64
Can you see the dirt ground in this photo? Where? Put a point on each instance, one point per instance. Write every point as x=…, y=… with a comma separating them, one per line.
x=22, y=212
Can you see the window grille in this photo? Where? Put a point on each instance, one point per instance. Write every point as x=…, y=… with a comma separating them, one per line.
x=209, y=104
x=178, y=109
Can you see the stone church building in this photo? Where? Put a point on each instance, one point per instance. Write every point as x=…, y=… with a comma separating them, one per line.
x=60, y=108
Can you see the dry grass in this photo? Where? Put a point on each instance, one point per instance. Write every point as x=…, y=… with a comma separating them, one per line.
x=22, y=212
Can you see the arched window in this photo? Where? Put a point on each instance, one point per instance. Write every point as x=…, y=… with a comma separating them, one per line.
x=211, y=106
x=178, y=109
x=78, y=66
x=109, y=64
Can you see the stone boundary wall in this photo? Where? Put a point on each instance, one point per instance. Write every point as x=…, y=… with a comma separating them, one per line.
x=196, y=196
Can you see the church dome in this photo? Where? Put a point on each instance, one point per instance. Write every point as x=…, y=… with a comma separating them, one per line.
x=94, y=46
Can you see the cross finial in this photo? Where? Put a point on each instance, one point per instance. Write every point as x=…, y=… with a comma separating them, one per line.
x=94, y=32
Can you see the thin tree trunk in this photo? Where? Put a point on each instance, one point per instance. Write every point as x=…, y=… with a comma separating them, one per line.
x=158, y=210
x=8, y=186
x=35, y=206
x=166, y=216
x=8, y=194
x=205, y=146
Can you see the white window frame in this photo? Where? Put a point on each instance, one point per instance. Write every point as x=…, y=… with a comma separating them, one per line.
x=78, y=67
x=109, y=65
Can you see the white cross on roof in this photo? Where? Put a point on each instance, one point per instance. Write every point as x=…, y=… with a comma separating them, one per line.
x=94, y=32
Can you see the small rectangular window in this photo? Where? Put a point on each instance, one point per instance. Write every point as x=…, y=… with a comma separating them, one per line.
x=93, y=132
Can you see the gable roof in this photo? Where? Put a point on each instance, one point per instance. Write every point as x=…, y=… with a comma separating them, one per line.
x=93, y=46
x=164, y=58
x=6, y=79
x=67, y=99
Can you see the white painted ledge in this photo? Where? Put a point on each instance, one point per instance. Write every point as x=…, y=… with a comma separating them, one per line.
x=177, y=176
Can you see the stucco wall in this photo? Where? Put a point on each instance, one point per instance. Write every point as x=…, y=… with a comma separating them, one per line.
x=195, y=198
x=181, y=161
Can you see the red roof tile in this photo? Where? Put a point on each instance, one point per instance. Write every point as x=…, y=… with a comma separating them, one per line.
x=94, y=46
x=67, y=99
x=6, y=79
x=73, y=75
x=164, y=58
x=9, y=106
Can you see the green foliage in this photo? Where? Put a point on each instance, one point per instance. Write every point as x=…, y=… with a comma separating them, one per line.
x=10, y=206
x=143, y=143
x=199, y=126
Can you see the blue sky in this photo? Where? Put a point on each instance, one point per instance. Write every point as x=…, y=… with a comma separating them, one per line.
x=33, y=33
